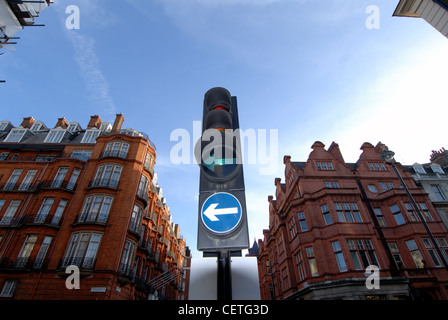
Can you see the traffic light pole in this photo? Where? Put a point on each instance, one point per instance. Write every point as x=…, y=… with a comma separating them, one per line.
x=224, y=276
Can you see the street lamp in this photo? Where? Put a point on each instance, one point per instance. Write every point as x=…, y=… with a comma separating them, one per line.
x=388, y=156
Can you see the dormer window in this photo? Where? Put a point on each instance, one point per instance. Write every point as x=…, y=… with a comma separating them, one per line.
x=73, y=126
x=5, y=125
x=38, y=126
x=437, y=169
x=16, y=135
x=90, y=136
x=106, y=127
x=55, y=136
x=419, y=169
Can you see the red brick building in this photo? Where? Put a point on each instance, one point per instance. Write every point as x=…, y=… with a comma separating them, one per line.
x=332, y=219
x=86, y=198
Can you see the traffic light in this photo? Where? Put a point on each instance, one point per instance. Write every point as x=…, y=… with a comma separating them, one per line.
x=222, y=217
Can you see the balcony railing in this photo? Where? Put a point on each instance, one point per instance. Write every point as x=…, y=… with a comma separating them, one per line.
x=84, y=263
x=25, y=264
x=92, y=218
x=104, y=183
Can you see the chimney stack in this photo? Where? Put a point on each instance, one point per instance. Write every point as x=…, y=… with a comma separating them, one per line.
x=62, y=122
x=119, y=119
x=27, y=123
x=95, y=122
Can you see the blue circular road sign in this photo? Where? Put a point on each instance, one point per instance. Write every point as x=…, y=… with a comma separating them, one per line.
x=221, y=212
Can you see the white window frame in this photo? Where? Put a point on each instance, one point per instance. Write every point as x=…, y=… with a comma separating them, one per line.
x=27, y=249
x=15, y=135
x=90, y=136
x=28, y=180
x=10, y=212
x=42, y=252
x=13, y=178
x=82, y=249
x=55, y=135
x=108, y=175
x=60, y=177
x=96, y=208
x=44, y=210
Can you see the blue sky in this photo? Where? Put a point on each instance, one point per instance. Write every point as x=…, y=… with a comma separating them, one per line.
x=310, y=69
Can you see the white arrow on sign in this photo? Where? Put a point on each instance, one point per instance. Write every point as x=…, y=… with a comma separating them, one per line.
x=211, y=212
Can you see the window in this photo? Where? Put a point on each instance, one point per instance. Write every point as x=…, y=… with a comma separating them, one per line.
x=302, y=221
x=372, y=188
x=397, y=214
x=149, y=161
x=26, y=183
x=4, y=124
x=443, y=245
x=386, y=186
x=292, y=228
x=415, y=253
x=438, y=192
x=324, y=165
x=437, y=169
x=59, y=211
x=432, y=252
x=83, y=155
x=326, y=214
x=15, y=135
x=90, y=136
x=331, y=184
x=339, y=256
x=396, y=253
x=411, y=212
x=380, y=217
x=42, y=252
x=96, y=209
x=72, y=182
x=74, y=126
x=136, y=218
x=116, y=149
x=425, y=211
x=348, y=212
x=419, y=169
x=55, y=136
x=312, y=261
x=26, y=250
x=285, y=278
x=300, y=266
x=10, y=212
x=45, y=157
x=362, y=253
x=59, y=178
x=143, y=186
x=377, y=166
x=268, y=267
x=8, y=289
x=13, y=179
x=82, y=249
x=128, y=256
x=107, y=176
x=44, y=210
x=4, y=156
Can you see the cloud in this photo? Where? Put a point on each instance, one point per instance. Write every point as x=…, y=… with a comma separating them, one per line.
x=89, y=65
x=90, y=13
